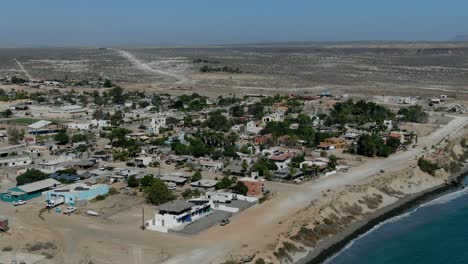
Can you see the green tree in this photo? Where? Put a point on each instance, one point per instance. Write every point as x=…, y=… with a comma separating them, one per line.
x=217, y=122
x=158, y=193
x=31, y=175
x=333, y=161
x=14, y=135
x=196, y=176
x=240, y=188
x=107, y=83
x=132, y=182
x=117, y=95
x=224, y=183
x=62, y=137
x=79, y=138
x=117, y=118
x=237, y=111
x=7, y=113
x=147, y=181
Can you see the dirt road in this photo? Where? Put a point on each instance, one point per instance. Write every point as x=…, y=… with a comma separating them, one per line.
x=145, y=67
x=23, y=69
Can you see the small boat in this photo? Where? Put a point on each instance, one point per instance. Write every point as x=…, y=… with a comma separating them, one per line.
x=93, y=213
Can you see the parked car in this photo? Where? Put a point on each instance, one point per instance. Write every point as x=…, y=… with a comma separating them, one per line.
x=19, y=202
x=171, y=186
x=224, y=222
x=69, y=210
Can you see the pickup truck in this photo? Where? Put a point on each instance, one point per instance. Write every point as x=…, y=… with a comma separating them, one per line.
x=69, y=210
x=224, y=222
x=19, y=202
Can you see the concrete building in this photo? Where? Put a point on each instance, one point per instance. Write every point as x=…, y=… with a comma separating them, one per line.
x=156, y=124
x=256, y=187
x=28, y=191
x=175, y=215
x=15, y=162
x=253, y=128
x=204, y=185
x=77, y=193
x=44, y=127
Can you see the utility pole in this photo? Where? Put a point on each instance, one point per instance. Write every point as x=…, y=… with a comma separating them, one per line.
x=143, y=219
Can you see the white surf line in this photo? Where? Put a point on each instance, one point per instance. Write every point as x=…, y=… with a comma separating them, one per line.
x=143, y=66
x=23, y=69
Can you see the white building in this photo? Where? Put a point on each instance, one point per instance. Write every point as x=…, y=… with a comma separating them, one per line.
x=253, y=128
x=156, y=124
x=277, y=116
x=79, y=126
x=100, y=123
x=175, y=215
x=406, y=100
x=15, y=162
x=143, y=161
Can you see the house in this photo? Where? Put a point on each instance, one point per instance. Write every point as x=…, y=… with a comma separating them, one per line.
x=174, y=179
x=15, y=162
x=255, y=186
x=28, y=191
x=253, y=127
x=210, y=165
x=78, y=193
x=276, y=116
x=156, y=124
x=388, y=124
x=143, y=161
x=79, y=126
x=175, y=215
x=204, y=185
x=281, y=159
x=68, y=177
x=325, y=146
x=50, y=166
x=44, y=127
x=36, y=150
x=71, y=110
x=261, y=140
x=406, y=100
x=100, y=123
x=338, y=143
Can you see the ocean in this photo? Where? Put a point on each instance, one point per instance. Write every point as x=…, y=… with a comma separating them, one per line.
x=435, y=232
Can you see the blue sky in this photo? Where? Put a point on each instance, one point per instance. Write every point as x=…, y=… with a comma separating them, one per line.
x=194, y=22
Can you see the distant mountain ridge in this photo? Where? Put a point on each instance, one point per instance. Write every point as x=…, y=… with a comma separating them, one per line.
x=460, y=38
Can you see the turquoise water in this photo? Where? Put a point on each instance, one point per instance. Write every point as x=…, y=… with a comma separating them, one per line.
x=433, y=233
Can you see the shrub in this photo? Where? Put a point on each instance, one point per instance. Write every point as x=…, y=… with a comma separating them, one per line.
x=100, y=197
x=427, y=166
x=113, y=191
x=7, y=248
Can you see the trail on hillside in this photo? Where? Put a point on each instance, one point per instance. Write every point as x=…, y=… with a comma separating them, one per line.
x=23, y=69
x=145, y=67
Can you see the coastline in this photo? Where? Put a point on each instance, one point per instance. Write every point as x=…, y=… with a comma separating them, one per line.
x=331, y=246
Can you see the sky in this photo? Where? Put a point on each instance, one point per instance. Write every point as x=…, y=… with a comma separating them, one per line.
x=206, y=22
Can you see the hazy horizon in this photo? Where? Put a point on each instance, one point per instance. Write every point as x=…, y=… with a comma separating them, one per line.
x=189, y=23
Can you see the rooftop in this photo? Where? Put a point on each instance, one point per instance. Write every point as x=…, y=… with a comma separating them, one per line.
x=39, y=124
x=39, y=185
x=176, y=206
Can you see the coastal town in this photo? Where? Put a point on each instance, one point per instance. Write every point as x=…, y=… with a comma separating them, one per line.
x=158, y=168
